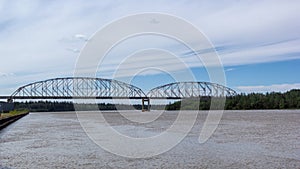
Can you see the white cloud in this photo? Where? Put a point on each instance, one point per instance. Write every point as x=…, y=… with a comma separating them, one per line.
x=262, y=53
x=229, y=69
x=73, y=50
x=34, y=35
x=269, y=88
x=81, y=37
x=6, y=74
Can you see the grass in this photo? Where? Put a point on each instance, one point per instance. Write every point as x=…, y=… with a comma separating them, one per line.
x=13, y=113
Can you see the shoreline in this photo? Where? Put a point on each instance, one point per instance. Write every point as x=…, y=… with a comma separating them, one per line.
x=9, y=120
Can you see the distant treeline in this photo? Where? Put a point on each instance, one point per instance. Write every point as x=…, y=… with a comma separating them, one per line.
x=50, y=106
x=274, y=100
x=288, y=100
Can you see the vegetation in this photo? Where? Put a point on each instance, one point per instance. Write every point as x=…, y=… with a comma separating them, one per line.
x=48, y=106
x=13, y=113
x=274, y=100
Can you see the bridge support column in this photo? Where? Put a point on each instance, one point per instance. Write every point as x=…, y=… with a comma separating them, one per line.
x=147, y=107
x=10, y=100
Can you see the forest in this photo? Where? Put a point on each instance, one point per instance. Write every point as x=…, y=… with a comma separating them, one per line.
x=274, y=100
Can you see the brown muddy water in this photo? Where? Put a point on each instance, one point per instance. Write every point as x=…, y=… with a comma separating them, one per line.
x=243, y=139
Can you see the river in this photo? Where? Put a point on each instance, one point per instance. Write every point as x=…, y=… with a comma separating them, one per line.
x=243, y=139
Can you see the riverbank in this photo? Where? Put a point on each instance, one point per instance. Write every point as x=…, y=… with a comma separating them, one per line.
x=8, y=118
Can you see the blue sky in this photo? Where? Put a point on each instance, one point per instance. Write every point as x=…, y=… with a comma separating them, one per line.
x=257, y=41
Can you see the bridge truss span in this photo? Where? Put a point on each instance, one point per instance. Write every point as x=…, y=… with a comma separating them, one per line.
x=78, y=88
x=182, y=90
x=98, y=88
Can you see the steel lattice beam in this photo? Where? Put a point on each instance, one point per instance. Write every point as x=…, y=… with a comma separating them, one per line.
x=98, y=88
x=182, y=90
x=78, y=87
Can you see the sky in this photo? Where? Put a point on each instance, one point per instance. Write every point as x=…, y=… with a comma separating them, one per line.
x=258, y=42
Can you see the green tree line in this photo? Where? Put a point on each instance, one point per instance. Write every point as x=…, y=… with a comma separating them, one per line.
x=273, y=100
x=55, y=106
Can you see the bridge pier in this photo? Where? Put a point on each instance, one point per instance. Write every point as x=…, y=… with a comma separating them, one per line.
x=10, y=100
x=147, y=107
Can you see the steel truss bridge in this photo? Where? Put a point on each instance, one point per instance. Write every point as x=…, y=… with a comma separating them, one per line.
x=98, y=88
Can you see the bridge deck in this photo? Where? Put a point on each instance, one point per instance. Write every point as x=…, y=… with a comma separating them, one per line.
x=81, y=97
